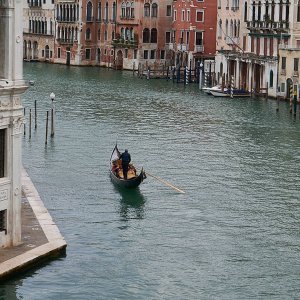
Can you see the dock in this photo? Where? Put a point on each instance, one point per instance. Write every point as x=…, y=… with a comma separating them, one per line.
x=41, y=238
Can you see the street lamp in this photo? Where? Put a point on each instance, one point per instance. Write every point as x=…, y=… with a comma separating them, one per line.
x=200, y=76
x=52, y=97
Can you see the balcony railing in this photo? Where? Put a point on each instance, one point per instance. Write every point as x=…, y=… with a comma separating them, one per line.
x=125, y=43
x=169, y=46
x=268, y=24
x=89, y=19
x=182, y=47
x=232, y=40
x=66, y=20
x=199, y=48
x=65, y=41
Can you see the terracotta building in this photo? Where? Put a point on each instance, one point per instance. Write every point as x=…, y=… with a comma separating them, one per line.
x=194, y=30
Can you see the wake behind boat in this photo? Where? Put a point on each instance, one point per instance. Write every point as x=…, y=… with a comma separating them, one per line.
x=116, y=172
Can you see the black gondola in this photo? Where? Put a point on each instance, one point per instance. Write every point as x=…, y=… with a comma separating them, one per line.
x=133, y=180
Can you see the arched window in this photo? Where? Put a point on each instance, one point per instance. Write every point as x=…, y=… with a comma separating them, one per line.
x=123, y=10
x=89, y=11
x=47, y=51
x=280, y=10
x=99, y=34
x=153, y=35
x=220, y=29
x=127, y=34
x=253, y=11
x=132, y=10
x=147, y=10
x=154, y=10
x=226, y=28
x=267, y=10
x=128, y=5
x=273, y=10
x=271, y=78
x=259, y=11
x=106, y=12
x=287, y=12
x=122, y=33
x=114, y=11
x=105, y=35
x=88, y=34
x=99, y=11
x=146, y=35
x=245, y=12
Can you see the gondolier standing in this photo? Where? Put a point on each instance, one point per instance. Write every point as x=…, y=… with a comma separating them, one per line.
x=126, y=159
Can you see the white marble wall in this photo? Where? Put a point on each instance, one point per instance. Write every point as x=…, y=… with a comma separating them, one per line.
x=11, y=115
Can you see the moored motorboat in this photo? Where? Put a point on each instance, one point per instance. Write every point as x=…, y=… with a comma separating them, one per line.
x=231, y=93
x=216, y=88
x=133, y=179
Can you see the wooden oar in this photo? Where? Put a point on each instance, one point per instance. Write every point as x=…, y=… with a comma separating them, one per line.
x=166, y=183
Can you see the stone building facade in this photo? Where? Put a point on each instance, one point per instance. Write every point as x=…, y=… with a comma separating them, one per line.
x=38, y=30
x=11, y=120
x=194, y=31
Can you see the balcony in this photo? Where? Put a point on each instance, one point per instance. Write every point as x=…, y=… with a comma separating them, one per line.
x=232, y=40
x=199, y=48
x=169, y=46
x=268, y=25
x=121, y=43
x=65, y=20
x=65, y=41
x=89, y=19
x=182, y=47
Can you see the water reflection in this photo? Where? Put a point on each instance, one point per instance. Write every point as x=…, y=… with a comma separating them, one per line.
x=131, y=204
x=9, y=289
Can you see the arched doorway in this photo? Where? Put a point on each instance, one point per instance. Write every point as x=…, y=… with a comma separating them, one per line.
x=35, y=51
x=289, y=88
x=119, y=60
x=47, y=52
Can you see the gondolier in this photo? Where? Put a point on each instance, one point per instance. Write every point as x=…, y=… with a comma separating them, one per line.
x=132, y=179
x=126, y=159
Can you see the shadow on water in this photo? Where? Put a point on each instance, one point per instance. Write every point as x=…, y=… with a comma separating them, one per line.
x=131, y=204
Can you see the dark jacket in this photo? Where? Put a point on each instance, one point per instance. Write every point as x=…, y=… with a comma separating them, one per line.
x=126, y=159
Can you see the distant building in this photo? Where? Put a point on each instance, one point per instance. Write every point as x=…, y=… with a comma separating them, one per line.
x=38, y=30
x=11, y=120
x=194, y=31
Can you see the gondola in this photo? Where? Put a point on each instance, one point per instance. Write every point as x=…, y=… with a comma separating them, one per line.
x=133, y=179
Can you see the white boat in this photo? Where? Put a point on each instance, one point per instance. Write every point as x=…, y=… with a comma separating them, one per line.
x=227, y=93
x=216, y=88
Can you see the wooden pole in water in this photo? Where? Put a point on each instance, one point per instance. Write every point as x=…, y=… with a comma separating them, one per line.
x=24, y=122
x=35, y=115
x=46, y=140
x=30, y=123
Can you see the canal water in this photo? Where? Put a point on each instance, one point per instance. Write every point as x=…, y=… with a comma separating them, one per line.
x=234, y=234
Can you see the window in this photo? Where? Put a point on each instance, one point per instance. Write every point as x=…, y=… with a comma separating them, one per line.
x=123, y=10
x=87, y=53
x=283, y=63
x=147, y=10
x=58, y=52
x=271, y=79
x=296, y=64
x=199, y=38
x=135, y=54
x=126, y=53
x=89, y=10
x=145, y=54
x=298, y=12
x=146, y=35
x=2, y=151
x=188, y=15
x=183, y=15
x=162, y=54
x=175, y=15
x=132, y=10
x=105, y=35
x=169, y=10
x=152, y=54
x=88, y=34
x=3, y=221
x=154, y=10
x=154, y=35
x=168, y=37
x=199, y=16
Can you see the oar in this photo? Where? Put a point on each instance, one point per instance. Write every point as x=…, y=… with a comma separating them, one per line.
x=166, y=183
